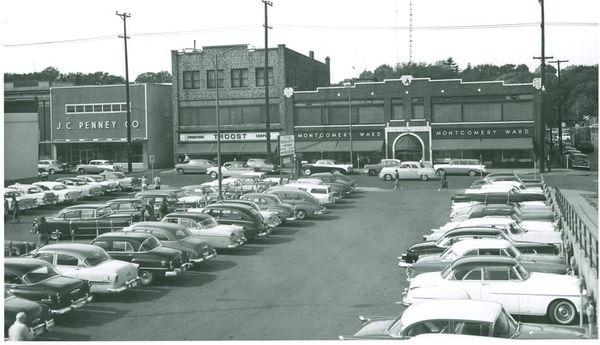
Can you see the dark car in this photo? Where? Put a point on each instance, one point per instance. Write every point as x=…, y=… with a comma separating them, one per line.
x=497, y=197
x=252, y=223
x=87, y=221
x=177, y=237
x=262, y=164
x=158, y=195
x=485, y=210
x=334, y=180
x=194, y=166
x=146, y=250
x=39, y=318
x=36, y=280
x=271, y=202
x=131, y=207
x=413, y=252
x=270, y=218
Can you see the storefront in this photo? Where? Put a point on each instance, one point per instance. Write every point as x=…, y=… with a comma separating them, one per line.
x=90, y=122
x=234, y=145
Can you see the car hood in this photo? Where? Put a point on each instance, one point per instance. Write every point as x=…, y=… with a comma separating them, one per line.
x=374, y=328
x=426, y=280
x=539, y=331
x=554, y=284
x=219, y=230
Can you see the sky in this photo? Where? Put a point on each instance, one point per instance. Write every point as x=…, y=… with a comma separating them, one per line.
x=357, y=35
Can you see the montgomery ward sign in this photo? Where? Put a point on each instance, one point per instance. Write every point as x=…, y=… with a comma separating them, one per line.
x=228, y=136
x=482, y=132
x=342, y=134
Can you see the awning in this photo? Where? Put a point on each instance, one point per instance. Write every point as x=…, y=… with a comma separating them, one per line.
x=227, y=147
x=339, y=146
x=325, y=146
x=483, y=144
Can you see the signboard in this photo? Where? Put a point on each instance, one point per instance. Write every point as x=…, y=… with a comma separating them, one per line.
x=339, y=134
x=443, y=132
x=152, y=159
x=227, y=136
x=287, y=145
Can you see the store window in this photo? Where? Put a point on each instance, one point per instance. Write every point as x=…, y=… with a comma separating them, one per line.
x=338, y=115
x=191, y=80
x=445, y=112
x=308, y=116
x=418, y=109
x=515, y=111
x=194, y=116
x=370, y=114
x=481, y=112
x=239, y=77
x=210, y=78
x=260, y=76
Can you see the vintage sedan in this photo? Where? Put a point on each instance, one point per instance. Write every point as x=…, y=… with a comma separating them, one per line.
x=458, y=316
x=25, y=202
x=407, y=171
x=345, y=180
x=194, y=166
x=262, y=164
x=96, y=166
x=127, y=206
x=36, y=280
x=506, y=281
x=416, y=250
x=87, y=190
x=228, y=169
x=546, y=263
x=39, y=318
x=177, y=237
x=306, y=205
x=51, y=166
x=87, y=221
x=64, y=193
x=272, y=203
x=497, y=197
x=337, y=189
x=479, y=210
x=322, y=193
x=326, y=165
x=125, y=182
x=109, y=186
x=251, y=222
x=269, y=217
x=91, y=263
x=154, y=259
x=42, y=197
x=204, y=226
x=176, y=199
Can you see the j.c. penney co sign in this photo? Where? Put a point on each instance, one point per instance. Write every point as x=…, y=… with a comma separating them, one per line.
x=481, y=132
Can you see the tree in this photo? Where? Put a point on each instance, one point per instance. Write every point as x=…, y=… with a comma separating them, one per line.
x=151, y=77
x=50, y=73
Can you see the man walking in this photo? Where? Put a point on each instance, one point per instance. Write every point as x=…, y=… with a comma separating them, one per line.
x=43, y=231
x=397, y=181
x=164, y=208
x=444, y=182
x=19, y=330
x=144, y=183
x=15, y=210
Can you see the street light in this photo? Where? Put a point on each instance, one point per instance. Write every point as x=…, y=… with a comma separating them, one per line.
x=217, y=56
x=348, y=85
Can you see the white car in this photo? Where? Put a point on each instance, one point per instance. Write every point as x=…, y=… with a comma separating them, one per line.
x=96, y=166
x=204, y=226
x=91, y=263
x=98, y=180
x=49, y=165
x=41, y=196
x=460, y=213
x=503, y=280
x=461, y=207
x=86, y=189
x=407, y=170
x=64, y=193
x=25, y=202
x=471, y=167
x=322, y=193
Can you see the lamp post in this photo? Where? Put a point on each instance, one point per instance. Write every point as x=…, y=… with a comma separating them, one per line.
x=348, y=85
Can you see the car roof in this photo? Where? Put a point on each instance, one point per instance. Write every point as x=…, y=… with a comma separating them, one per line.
x=170, y=227
x=84, y=206
x=78, y=249
x=473, y=230
x=192, y=215
x=123, y=200
x=463, y=246
x=123, y=234
x=452, y=309
x=23, y=185
x=48, y=183
x=469, y=262
x=24, y=265
x=486, y=221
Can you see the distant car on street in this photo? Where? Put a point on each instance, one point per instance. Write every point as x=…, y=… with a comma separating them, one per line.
x=51, y=166
x=408, y=171
x=471, y=167
x=261, y=164
x=374, y=169
x=96, y=166
x=326, y=165
x=232, y=168
x=194, y=166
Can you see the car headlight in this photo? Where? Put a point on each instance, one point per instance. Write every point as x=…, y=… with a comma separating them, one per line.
x=163, y=262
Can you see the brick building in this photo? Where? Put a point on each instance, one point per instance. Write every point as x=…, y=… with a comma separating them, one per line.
x=241, y=83
x=417, y=119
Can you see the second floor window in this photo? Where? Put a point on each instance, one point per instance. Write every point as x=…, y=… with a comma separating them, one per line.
x=191, y=79
x=210, y=78
x=260, y=76
x=239, y=77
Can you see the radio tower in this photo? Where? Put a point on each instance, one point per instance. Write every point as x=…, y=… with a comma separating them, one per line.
x=410, y=31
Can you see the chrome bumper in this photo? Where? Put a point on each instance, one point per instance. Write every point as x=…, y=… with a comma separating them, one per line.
x=321, y=211
x=238, y=243
x=41, y=328
x=205, y=256
x=128, y=285
x=75, y=305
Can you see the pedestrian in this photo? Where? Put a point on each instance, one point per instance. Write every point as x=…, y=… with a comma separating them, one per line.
x=164, y=208
x=15, y=210
x=156, y=181
x=19, y=331
x=186, y=158
x=5, y=208
x=43, y=230
x=150, y=209
x=397, y=181
x=144, y=183
x=444, y=183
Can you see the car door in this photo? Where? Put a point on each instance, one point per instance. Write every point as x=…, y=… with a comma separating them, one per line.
x=120, y=249
x=500, y=285
x=86, y=225
x=472, y=282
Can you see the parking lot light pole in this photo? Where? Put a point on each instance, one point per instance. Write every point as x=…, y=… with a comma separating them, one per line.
x=349, y=86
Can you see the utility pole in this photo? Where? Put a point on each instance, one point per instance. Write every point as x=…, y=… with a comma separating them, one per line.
x=542, y=119
x=560, y=144
x=266, y=74
x=124, y=16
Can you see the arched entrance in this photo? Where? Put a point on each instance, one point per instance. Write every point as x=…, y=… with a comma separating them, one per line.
x=409, y=147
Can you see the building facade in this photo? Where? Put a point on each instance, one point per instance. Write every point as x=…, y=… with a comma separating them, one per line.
x=417, y=119
x=20, y=147
x=90, y=122
x=241, y=87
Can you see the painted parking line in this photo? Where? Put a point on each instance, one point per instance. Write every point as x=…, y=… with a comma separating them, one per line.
x=96, y=311
x=147, y=290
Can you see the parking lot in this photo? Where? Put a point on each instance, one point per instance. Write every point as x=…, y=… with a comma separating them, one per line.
x=309, y=280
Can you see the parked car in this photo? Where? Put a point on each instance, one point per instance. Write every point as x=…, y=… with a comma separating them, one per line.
x=458, y=316
x=272, y=203
x=156, y=197
x=108, y=185
x=504, y=210
x=130, y=207
x=87, y=220
x=416, y=250
x=506, y=177
x=51, y=166
x=25, y=202
x=326, y=165
x=127, y=183
x=546, y=263
x=207, y=193
x=177, y=237
x=204, y=226
x=154, y=259
x=322, y=193
x=348, y=182
x=38, y=316
x=42, y=197
x=90, y=263
x=36, y=280
x=96, y=166
x=263, y=165
x=306, y=205
x=232, y=168
x=64, y=193
x=497, y=197
x=269, y=217
x=506, y=281
x=194, y=166
x=374, y=169
x=251, y=222
x=471, y=167
x=338, y=190
x=579, y=161
x=86, y=189
x=407, y=170
x=18, y=248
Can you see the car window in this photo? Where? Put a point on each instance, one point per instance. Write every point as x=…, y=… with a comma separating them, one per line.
x=319, y=191
x=59, y=187
x=489, y=251
x=102, y=244
x=75, y=214
x=114, y=206
x=432, y=326
x=160, y=236
x=121, y=246
x=471, y=328
x=172, y=220
x=181, y=234
x=66, y=260
x=495, y=273
x=513, y=275
x=11, y=278
x=48, y=257
x=232, y=215
x=472, y=252
x=188, y=223
x=126, y=207
x=87, y=214
x=474, y=274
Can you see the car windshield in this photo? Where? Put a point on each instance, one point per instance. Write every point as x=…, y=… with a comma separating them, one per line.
x=447, y=273
x=208, y=223
x=449, y=255
x=39, y=274
x=522, y=271
x=59, y=187
x=395, y=328
x=149, y=244
x=505, y=326
x=96, y=258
